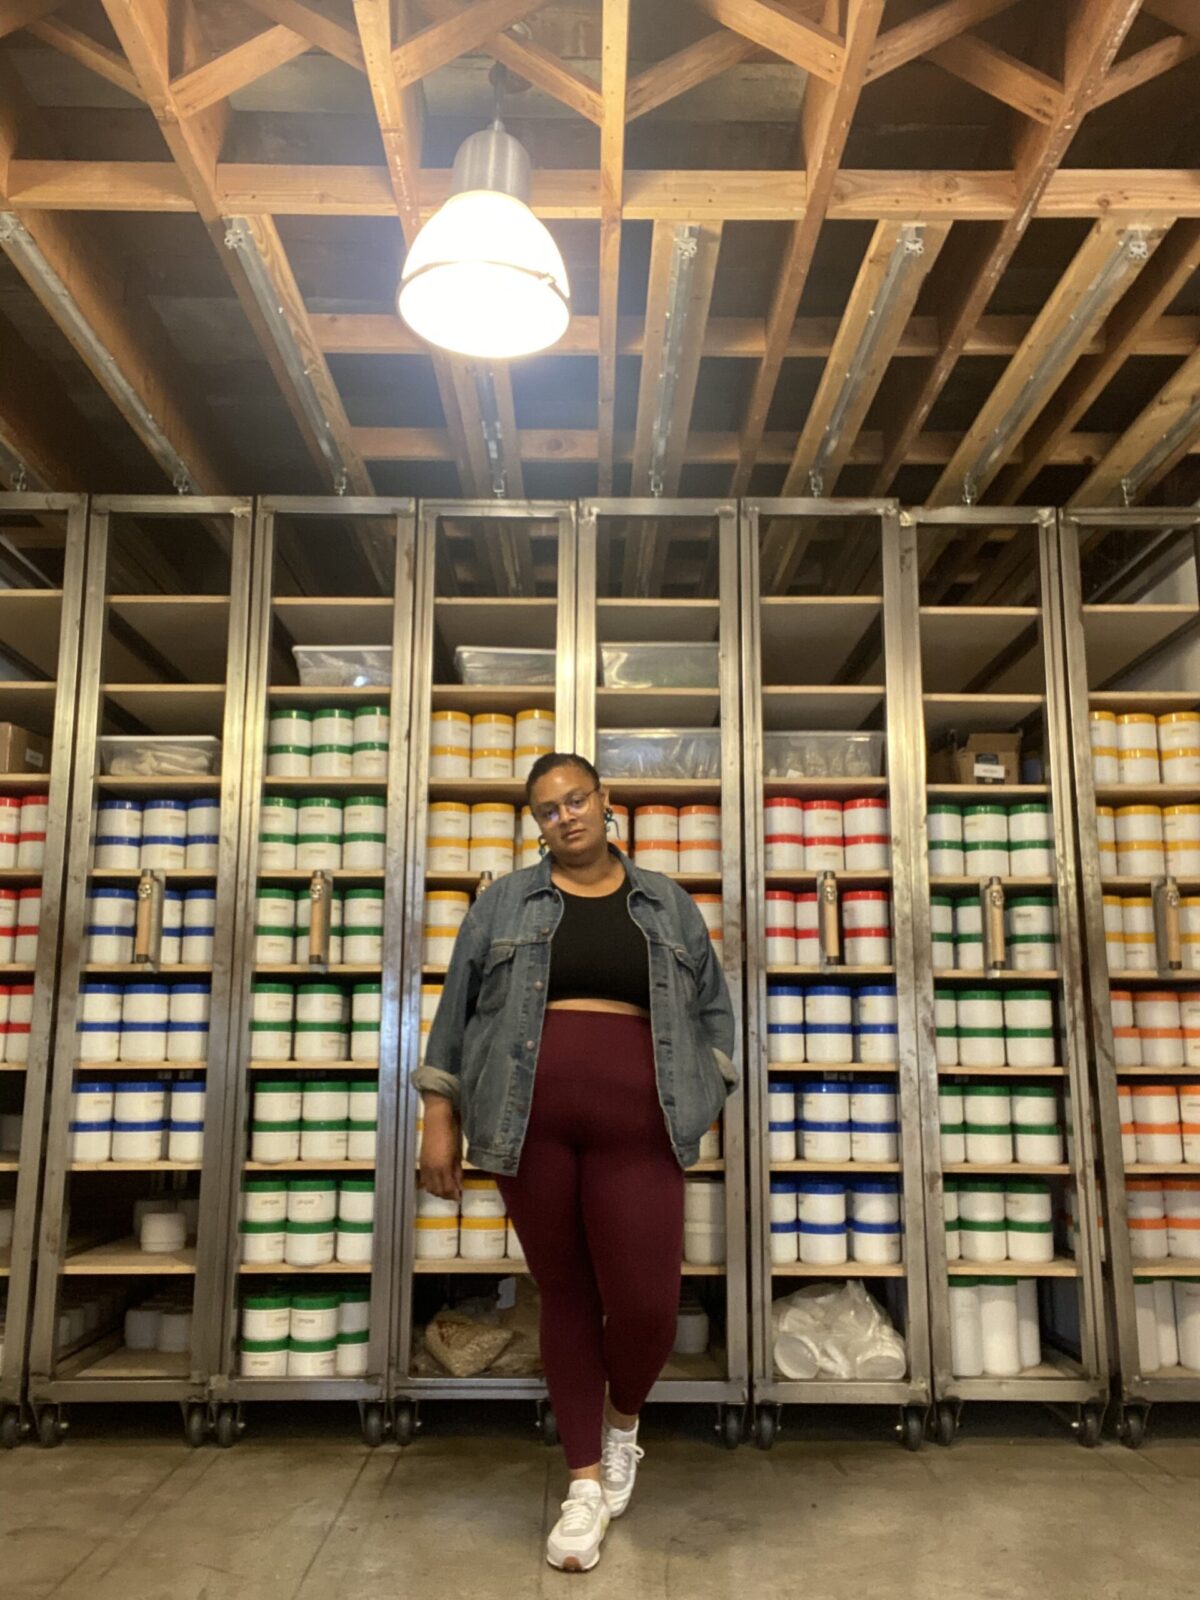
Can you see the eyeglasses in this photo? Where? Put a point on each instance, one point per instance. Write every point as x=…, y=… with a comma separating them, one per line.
x=571, y=805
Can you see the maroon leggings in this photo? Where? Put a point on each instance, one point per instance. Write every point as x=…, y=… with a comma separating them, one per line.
x=598, y=1206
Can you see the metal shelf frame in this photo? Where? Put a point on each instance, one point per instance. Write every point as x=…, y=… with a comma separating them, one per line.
x=502, y=523
x=1070, y=1381
x=875, y=525
x=645, y=523
x=229, y=520
x=69, y=511
x=1158, y=541
x=384, y=525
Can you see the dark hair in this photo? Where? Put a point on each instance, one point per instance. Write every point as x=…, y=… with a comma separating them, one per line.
x=557, y=758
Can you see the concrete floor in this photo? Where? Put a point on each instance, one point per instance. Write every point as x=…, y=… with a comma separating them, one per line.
x=299, y=1510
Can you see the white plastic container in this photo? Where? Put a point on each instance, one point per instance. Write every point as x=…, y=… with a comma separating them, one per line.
x=1187, y=1321
x=308, y=1244
x=867, y=833
x=823, y=1243
x=982, y=1241
x=449, y=745
x=274, y=1142
x=966, y=1328
x=783, y=834
x=162, y=1232
x=534, y=737
x=824, y=836
x=91, y=1141
x=164, y=835
x=291, y=726
x=324, y=1141
x=361, y=1139
x=1141, y=852
x=312, y=1360
x=1181, y=834
x=262, y=1243
x=436, y=1238
x=117, y=835
x=138, y=1141
x=485, y=1238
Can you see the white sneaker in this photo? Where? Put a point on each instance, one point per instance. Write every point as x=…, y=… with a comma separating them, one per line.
x=575, y=1540
x=618, y=1466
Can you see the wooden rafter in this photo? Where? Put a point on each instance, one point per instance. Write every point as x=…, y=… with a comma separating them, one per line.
x=80, y=286
x=579, y=445
x=429, y=48
x=1147, y=65
x=573, y=194
x=868, y=336
x=614, y=77
x=920, y=34
x=744, y=338
x=1094, y=35
x=1104, y=266
x=287, y=343
x=1176, y=259
x=826, y=117
x=397, y=112
x=1035, y=94
x=686, y=357
x=784, y=32
x=539, y=66
x=15, y=14
x=1166, y=431
x=321, y=31
x=214, y=81
x=695, y=64
x=81, y=47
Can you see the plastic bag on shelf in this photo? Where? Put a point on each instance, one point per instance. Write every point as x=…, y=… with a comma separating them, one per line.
x=822, y=754
x=660, y=666
x=836, y=1331
x=659, y=752
x=129, y=755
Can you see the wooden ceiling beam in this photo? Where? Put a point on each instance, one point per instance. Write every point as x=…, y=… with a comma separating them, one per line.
x=1095, y=32
x=1130, y=322
x=216, y=80
x=695, y=64
x=259, y=189
x=1001, y=75
x=79, y=285
x=675, y=368
x=1166, y=431
x=1147, y=65
x=1101, y=270
x=397, y=111
x=81, y=47
x=826, y=116
x=784, y=32
x=539, y=66
x=1179, y=14
x=880, y=306
x=812, y=338
x=614, y=80
x=578, y=445
x=436, y=46
x=321, y=31
x=907, y=41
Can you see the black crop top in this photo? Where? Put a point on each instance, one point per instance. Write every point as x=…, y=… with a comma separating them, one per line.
x=599, y=952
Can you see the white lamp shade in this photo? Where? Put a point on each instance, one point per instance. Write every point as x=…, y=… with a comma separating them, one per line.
x=485, y=278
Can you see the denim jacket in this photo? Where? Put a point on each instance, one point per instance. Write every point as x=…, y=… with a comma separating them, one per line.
x=483, y=1047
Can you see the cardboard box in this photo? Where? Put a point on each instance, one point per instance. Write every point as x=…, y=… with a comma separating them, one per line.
x=22, y=751
x=985, y=758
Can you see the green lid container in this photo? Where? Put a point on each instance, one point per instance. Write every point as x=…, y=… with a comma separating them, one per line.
x=965, y=1225
x=323, y=1127
x=359, y=1185
x=276, y=894
x=941, y=809
x=1028, y=994
x=1027, y=810
x=372, y=711
x=960, y=1281
x=312, y=1185
x=266, y=1302
x=335, y=711
x=278, y=1086
x=363, y=894
x=356, y=1294
x=311, y=1347
x=287, y=750
x=1043, y=1091
x=254, y=1347
x=355, y=1338
x=979, y=1185
x=992, y=1089
x=319, y=988
x=316, y=1302
x=371, y=744
x=367, y=800
x=1029, y=1033
x=1045, y=1128
x=363, y=1127
x=262, y=1227
x=363, y=1086
x=985, y=811
x=307, y=1227
x=1029, y=1227
x=280, y=800
x=274, y=1127
x=354, y=1227
x=271, y=988
x=325, y=1085
x=310, y=800
x=290, y=711
x=263, y=1185
x=367, y=988
x=984, y=1128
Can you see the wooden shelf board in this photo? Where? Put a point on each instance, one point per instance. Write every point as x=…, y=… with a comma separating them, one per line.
x=829, y=972
x=306, y=696
x=23, y=782
x=841, y=1269
x=960, y=643
x=637, y=620
x=135, y=1166
x=206, y=784
x=824, y=628
x=338, y=874
x=124, y=1257
x=311, y=1066
x=296, y=969
x=130, y=969
x=135, y=1364
x=1157, y=700
x=657, y=708
x=308, y=1166
x=1168, y=978
x=1006, y=1169
x=1117, y=636
x=1060, y=1267
x=188, y=630
x=1166, y=1169
x=29, y=625
x=821, y=1066
x=100, y=1068
x=336, y=619
x=1158, y=1072
x=510, y=1268
x=1146, y=885
x=5, y=1262
x=1176, y=1267
x=964, y=882
x=1149, y=794
x=824, y=788
x=260, y=1268
x=978, y=713
x=818, y=1167
x=984, y=793
x=498, y=623
x=821, y=707
x=848, y=880
x=171, y=708
x=1002, y=1072
x=986, y=975
x=506, y=698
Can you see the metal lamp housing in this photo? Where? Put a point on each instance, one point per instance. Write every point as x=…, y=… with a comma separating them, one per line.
x=484, y=277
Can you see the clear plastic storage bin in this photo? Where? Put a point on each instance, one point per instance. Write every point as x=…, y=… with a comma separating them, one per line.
x=479, y=664
x=660, y=666
x=343, y=666
x=659, y=752
x=145, y=755
x=823, y=755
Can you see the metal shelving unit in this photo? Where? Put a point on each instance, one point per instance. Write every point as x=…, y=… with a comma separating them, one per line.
x=327, y=572
x=988, y=659
x=498, y=574
x=152, y=661
x=824, y=647
x=40, y=611
x=666, y=570
x=1131, y=613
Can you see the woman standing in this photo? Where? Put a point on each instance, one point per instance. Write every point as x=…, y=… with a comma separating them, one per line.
x=584, y=1043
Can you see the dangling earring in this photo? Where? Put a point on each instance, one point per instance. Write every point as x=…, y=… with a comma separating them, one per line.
x=610, y=817
x=542, y=848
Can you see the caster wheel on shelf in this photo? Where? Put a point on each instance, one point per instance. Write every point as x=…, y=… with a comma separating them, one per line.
x=10, y=1428
x=912, y=1427
x=1131, y=1428
x=946, y=1422
x=405, y=1423
x=766, y=1423
x=1091, y=1420
x=548, y=1423
x=373, y=1425
x=731, y=1425
x=227, y=1427
x=51, y=1427
x=195, y=1426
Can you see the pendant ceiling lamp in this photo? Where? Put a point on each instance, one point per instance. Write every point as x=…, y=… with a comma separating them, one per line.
x=484, y=277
